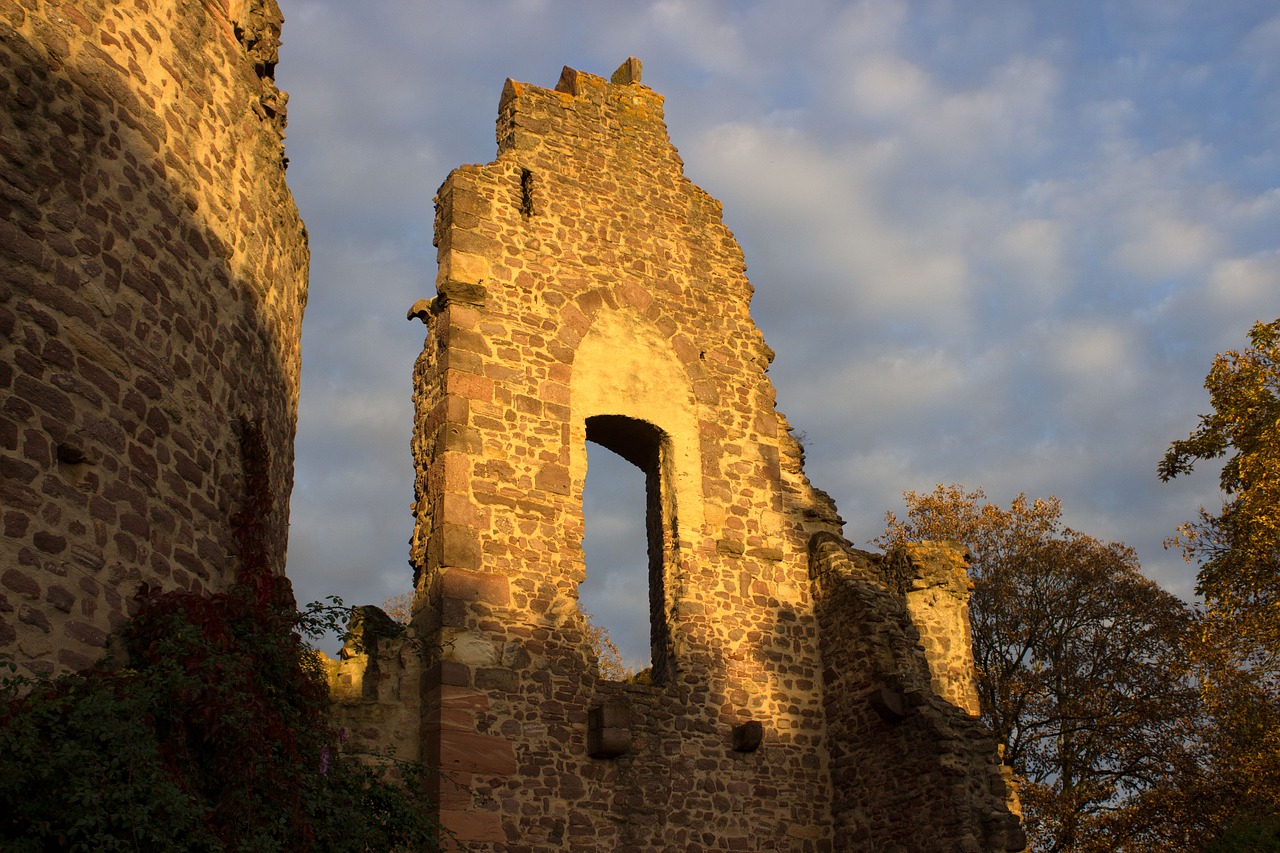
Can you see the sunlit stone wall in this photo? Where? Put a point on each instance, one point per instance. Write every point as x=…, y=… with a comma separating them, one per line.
x=588, y=290
x=152, y=280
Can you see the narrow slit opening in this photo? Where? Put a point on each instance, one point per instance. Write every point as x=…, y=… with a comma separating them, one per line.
x=526, y=193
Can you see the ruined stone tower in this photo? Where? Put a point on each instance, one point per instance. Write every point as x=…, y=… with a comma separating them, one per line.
x=152, y=280
x=587, y=291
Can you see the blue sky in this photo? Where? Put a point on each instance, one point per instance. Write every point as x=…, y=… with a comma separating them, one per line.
x=993, y=243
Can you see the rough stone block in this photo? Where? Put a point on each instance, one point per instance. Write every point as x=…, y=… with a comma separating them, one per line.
x=609, y=730
x=730, y=546
x=21, y=583
x=889, y=704
x=475, y=586
x=459, y=547
x=471, y=826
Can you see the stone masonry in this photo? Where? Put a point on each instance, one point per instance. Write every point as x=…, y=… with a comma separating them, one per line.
x=152, y=280
x=803, y=696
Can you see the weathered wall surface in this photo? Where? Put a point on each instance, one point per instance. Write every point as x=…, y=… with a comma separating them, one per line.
x=588, y=291
x=911, y=766
x=935, y=586
x=152, y=280
x=582, y=275
x=376, y=684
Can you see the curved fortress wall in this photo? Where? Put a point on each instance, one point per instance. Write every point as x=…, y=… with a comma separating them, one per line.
x=588, y=291
x=152, y=281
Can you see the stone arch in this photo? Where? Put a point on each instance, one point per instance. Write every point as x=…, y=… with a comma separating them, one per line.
x=625, y=367
x=630, y=394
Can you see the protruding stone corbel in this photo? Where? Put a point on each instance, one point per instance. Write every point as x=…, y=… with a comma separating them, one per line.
x=420, y=310
x=609, y=730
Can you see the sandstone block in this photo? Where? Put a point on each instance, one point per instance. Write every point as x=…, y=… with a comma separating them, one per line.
x=470, y=752
x=475, y=586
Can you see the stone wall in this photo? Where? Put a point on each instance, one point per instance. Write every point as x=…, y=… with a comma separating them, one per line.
x=588, y=291
x=935, y=587
x=376, y=684
x=912, y=768
x=152, y=280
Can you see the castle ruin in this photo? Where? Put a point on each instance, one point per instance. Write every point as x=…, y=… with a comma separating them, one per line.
x=803, y=696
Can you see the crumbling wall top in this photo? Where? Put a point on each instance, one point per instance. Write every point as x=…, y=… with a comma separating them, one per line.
x=526, y=112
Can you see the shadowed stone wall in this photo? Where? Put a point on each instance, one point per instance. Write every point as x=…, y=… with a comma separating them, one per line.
x=152, y=280
x=911, y=766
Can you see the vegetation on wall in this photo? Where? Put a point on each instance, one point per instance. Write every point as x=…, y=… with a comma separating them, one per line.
x=210, y=732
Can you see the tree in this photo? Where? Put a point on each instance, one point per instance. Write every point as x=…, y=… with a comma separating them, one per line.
x=399, y=607
x=1081, y=664
x=1238, y=656
x=608, y=658
x=1239, y=548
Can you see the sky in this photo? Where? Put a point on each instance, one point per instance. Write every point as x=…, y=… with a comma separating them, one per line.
x=993, y=243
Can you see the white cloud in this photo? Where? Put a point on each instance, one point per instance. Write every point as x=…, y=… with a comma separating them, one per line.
x=702, y=31
x=1247, y=281
x=888, y=86
x=900, y=381
x=860, y=28
x=1009, y=116
x=1089, y=348
x=1032, y=253
x=1159, y=247
x=1262, y=44
x=823, y=207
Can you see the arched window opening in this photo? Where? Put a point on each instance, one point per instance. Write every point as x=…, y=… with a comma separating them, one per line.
x=623, y=542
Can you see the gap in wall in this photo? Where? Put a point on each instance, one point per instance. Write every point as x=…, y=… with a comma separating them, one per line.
x=616, y=591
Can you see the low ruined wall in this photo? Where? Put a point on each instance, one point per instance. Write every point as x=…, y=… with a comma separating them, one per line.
x=376, y=684
x=152, y=280
x=910, y=769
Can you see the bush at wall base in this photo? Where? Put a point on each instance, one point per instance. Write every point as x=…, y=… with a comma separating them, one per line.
x=210, y=733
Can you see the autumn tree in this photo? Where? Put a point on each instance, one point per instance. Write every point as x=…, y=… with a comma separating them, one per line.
x=1238, y=549
x=1081, y=664
x=608, y=658
x=399, y=607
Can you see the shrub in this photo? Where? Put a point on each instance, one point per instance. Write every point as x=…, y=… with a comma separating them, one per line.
x=212, y=733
